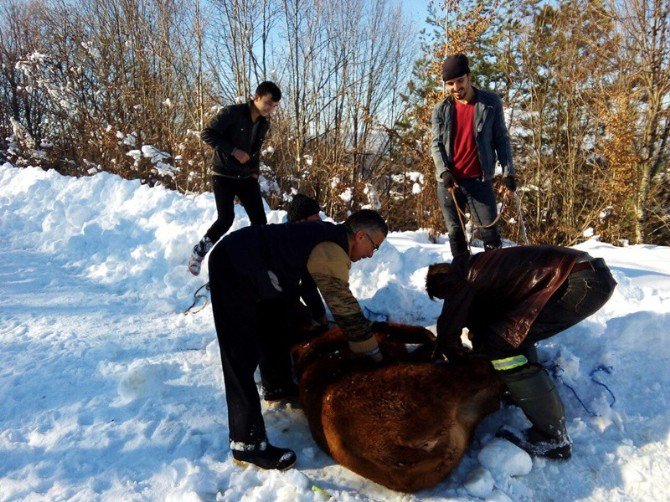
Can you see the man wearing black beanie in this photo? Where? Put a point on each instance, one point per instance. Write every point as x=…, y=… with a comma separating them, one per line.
x=302, y=208
x=468, y=136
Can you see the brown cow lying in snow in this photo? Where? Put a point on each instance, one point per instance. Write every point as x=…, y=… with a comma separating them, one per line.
x=404, y=424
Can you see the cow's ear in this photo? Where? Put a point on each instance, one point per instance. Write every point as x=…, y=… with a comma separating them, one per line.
x=438, y=279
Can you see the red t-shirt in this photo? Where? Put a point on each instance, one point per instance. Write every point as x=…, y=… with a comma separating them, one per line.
x=466, y=162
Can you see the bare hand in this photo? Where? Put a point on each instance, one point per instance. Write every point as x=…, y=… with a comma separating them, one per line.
x=241, y=156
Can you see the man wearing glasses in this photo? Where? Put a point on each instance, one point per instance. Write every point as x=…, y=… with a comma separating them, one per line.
x=252, y=273
x=375, y=247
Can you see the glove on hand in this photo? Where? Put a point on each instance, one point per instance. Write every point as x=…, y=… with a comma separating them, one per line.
x=455, y=354
x=510, y=183
x=452, y=348
x=448, y=179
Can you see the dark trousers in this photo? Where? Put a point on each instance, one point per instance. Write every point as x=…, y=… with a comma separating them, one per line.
x=475, y=196
x=581, y=295
x=249, y=333
x=225, y=189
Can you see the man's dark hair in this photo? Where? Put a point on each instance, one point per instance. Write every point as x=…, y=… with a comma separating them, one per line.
x=301, y=207
x=443, y=280
x=367, y=220
x=268, y=87
x=439, y=279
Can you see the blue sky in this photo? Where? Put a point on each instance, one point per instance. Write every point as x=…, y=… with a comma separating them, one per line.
x=416, y=10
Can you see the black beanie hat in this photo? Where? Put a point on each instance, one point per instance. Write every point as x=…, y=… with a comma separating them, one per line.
x=301, y=207
x=455, y=66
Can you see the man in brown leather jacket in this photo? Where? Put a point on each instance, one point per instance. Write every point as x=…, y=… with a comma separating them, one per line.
x=509, y=299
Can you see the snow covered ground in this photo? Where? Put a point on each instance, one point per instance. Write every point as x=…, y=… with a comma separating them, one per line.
x=108, y=392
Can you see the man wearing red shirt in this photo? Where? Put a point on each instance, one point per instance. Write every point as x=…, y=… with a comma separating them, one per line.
x=469, y=136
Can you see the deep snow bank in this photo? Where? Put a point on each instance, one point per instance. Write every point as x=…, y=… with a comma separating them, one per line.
x=107, y=391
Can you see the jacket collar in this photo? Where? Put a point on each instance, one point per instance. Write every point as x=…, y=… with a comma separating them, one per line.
x=481, y=107
x=250, y=107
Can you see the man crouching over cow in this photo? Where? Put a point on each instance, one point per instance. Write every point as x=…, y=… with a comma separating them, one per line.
x=509, y=299
x=252, y=273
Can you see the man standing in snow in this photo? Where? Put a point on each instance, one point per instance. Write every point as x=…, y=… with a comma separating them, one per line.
x=252, y=272
x=468, y=135
x=509, y=299
x=236, y=134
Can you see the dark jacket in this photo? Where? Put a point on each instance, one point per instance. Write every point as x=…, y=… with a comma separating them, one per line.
x=273, y=258
x=309, y=294
x=233, y=128
x=490, y=134
x=503, y=291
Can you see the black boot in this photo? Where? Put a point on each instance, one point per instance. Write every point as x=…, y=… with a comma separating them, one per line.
x=265, y=456
x=287, y=392
x=534, y=392
x=532, y=358
x=280, y=396
x=537, y=443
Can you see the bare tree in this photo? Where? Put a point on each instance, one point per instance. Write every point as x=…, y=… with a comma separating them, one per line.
x=646, y=25
x=20, y=101
x=239, y=39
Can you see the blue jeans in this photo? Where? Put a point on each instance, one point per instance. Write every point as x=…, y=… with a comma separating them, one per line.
x=475, y=196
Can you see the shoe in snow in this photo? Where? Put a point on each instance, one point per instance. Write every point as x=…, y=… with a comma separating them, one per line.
x=265, y=456
x=539, y=444
x=284, y=392
x=287, y=394
x=195, y=263
x=198, y=254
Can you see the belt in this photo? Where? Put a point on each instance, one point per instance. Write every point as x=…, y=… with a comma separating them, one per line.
x=593, y=264
x=234, y=176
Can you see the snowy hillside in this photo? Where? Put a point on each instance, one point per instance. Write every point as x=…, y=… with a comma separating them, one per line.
x=108, y=392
